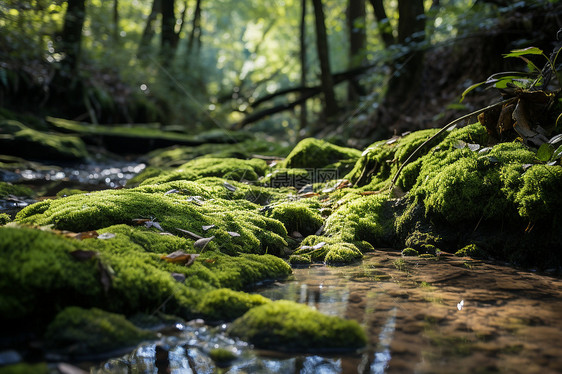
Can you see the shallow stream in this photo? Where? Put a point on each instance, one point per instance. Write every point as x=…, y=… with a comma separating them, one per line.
x=452, y=315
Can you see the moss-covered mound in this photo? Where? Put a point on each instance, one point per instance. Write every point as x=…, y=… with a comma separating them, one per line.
x=19, y=140
x=79, y=331
x=202, y=208
x=7, y=189
x=500, y=197
x=232, y=169
x=124, y=270
x=316, y=153
x=288, y=326
x=226, y=305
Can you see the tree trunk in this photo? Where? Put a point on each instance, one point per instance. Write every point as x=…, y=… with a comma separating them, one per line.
x=303, y=109
x=383, y=24
x=195, y=35
x=407, y=75
x=330, y=103
x=71, y=38
x=148, y=32
x=116, y=21
x=168, y=37
x=357, y=44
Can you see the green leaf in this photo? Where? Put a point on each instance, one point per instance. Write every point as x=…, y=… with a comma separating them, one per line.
x=557, y=154
x=470, y=89
x=524, y=51
x=545, y=152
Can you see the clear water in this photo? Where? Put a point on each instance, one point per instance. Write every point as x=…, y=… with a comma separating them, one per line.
x=454, y=315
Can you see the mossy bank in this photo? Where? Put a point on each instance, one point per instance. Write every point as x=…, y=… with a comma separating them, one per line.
x=191, y=238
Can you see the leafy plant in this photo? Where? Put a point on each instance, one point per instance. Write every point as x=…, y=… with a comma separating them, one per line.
x=522, y=80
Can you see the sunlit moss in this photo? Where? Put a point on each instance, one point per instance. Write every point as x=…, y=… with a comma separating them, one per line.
x=286, y=325
x=231, y=169
x=362, y=218
x=4, y=218
x=177, y=206
x=120, y=273
x=301, y=216
x=86, y=331
x=331, y=250
x=316, y=153
x=226, y=305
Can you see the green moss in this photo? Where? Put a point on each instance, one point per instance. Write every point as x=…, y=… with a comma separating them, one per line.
x=362, y=218
x=85, y=331
x=7, y=189
x=539, y=197
x=289, y=326
x=190, y=207
x=283, y=177
x=20, y=140
x=70, y=191
x=139, y=279
x=302, y=216
x=232, y=169
x=221, y=356
x=471, y=250
x=331, y=250
x=226, y=305
x=423, y=242
x=4, y=218
x=316, y=153
x=296, y=260
x=409, y=252
x=25, y=368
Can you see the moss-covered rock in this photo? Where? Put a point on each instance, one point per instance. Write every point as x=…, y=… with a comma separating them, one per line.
x=174, y=206
x=231, y=169
x=302, y=216
x=300, y=260
x=120, y=271
x=7, y=189
x=226, y=305
x=471, y=250
x=409, y=252
x=286, y=325
x=79, y=331
x=4, y=218
x=331, y=250
x=20, y=140
x=316, y=153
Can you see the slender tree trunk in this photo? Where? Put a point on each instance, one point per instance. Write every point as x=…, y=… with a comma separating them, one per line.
x=411, y=32
x=148, y=32
x=195, y=35
x=168, y=37
x=383, y=24
x=116, y=21
x=330, y=103
x=71, y=37
x=357, y=44
x=304, y=67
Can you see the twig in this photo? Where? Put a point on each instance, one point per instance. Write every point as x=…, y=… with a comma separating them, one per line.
x=443, y=129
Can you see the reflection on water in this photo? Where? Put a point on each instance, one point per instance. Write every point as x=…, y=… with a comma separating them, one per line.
x=382, y=355
x=510, y=321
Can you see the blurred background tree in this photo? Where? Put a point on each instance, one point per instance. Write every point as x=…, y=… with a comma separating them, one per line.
x=358, y=70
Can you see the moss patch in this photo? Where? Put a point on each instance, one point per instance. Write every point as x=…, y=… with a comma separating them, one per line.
x=7, y=189
x=316, y=153
x=301, y=216
x=289, y=326
x=20, y=140
x=226, y=305
x=81, y=331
